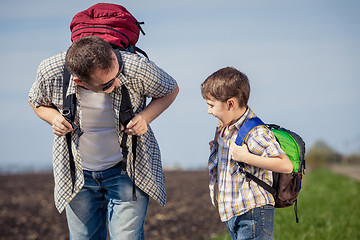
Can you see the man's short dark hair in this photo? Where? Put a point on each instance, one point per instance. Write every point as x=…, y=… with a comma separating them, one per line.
x=88, y=54
x=226, y=83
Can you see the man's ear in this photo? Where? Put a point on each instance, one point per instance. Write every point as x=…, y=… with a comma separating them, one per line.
x=78, y=81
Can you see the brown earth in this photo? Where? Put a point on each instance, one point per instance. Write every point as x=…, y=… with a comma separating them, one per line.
x=27, y=209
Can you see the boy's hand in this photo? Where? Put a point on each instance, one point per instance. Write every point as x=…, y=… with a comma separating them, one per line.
x=239, y=153
x=211, y=144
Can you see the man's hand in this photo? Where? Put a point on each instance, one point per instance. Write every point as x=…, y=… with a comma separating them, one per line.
x=60, y=126
x=52, y=116
x=137, y=126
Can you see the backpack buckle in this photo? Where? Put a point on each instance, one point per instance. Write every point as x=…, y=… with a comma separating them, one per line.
x=66, y=112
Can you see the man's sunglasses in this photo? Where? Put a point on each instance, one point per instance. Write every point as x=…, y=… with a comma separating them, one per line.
x=110, y=83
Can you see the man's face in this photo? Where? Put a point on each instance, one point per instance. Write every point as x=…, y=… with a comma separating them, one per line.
x=103, y=80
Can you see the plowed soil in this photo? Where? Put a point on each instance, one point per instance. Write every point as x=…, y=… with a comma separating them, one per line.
x=27, y=209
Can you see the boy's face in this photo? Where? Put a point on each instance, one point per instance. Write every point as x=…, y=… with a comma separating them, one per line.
x=220, y=110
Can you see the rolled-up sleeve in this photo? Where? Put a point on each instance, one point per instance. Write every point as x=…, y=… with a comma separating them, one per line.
x=39, y=92
x=47, y=88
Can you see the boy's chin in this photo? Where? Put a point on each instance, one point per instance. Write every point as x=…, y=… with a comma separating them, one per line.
x=226, y=124
x=222, y=123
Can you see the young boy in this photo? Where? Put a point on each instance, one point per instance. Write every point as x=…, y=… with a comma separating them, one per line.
x=246, y=207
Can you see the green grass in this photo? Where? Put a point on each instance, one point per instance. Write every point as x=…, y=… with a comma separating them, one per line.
x=328, y=208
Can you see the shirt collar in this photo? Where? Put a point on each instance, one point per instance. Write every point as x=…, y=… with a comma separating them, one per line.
x=246, y=116
x=72, y=86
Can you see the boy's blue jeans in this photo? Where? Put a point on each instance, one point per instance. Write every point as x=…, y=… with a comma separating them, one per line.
x=107, y=196
x=258, y=223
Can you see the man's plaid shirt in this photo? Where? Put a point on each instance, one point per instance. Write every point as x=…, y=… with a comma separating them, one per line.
x=235, y=194
x=143, y=79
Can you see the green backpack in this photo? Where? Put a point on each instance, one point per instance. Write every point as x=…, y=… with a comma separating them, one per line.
x=286, y=187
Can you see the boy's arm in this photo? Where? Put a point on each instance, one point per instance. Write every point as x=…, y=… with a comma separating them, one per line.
x=138, y=125
x=281, y=163
x=51, y=115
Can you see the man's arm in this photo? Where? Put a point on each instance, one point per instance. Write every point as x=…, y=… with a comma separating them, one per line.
x=52, y=116
x=138, y=125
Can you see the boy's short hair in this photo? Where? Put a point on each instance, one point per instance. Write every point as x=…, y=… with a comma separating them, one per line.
x=226, y=83
x=86, y=55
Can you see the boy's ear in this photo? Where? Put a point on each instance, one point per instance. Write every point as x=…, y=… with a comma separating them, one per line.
x=231, y=103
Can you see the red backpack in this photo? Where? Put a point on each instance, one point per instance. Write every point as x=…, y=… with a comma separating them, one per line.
x=111, y=22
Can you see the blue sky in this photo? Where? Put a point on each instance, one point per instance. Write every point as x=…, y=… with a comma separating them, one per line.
x=302, y=59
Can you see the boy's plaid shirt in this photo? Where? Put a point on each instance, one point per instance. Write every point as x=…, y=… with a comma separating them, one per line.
x=143, y=79
x=234, y=193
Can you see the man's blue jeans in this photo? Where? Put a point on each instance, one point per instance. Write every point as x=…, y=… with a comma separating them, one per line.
x=258, y=223
x=107, y=195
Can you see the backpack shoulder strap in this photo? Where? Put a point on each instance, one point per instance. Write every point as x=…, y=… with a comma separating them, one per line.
x=68, y=111
x=246, y=128
x=69, y=102
x=126, y=113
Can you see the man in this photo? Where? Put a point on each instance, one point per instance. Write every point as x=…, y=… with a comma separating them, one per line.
x=101, y=191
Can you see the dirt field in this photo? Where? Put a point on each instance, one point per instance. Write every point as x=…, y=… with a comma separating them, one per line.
x=27, y=209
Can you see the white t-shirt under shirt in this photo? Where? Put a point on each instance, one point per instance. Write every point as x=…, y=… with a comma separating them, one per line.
x=99, y=145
